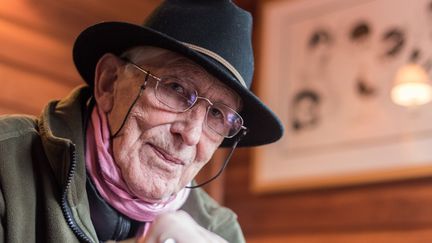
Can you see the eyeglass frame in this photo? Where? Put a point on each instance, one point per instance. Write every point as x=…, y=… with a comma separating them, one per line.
x=159, y=80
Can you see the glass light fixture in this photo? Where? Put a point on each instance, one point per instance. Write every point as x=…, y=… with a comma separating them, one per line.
x=411, y=86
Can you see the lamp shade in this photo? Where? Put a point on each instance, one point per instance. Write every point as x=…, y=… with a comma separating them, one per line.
x=411, y=86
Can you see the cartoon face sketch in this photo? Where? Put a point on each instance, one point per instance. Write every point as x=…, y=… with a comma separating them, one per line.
x=319, y=47
x=394, y=41
x=360, y=32
x=305, y=110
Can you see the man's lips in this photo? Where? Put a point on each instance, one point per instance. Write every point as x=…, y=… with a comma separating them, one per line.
x=166, y=156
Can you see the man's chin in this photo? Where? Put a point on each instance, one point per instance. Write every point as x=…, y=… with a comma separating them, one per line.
x=156, y=195
x=156, y=199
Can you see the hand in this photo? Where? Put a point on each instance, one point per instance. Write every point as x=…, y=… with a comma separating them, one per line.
x=180, y=227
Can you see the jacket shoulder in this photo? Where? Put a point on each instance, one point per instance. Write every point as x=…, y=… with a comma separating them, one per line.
x=17, y=125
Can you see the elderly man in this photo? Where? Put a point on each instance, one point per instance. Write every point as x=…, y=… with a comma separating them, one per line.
x=116, y=159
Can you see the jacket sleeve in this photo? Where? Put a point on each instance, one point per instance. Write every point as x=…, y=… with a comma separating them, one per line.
x=227, y=226
x=215, y=218
x=2, y=215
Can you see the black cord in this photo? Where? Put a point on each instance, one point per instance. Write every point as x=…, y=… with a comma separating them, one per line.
x=142, y=88
x=225, y=163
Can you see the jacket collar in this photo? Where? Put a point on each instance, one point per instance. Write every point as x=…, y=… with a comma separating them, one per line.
x=62, y=133
x=61, y=128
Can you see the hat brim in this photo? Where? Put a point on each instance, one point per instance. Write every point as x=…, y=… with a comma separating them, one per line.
x=116, y=37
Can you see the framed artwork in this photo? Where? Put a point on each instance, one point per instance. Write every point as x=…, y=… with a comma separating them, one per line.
x=327, y=68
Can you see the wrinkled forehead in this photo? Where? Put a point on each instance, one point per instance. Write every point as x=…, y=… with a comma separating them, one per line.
x=165, y=62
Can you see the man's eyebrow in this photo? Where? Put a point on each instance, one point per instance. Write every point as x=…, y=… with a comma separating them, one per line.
x=236, y=103
x=183, y=68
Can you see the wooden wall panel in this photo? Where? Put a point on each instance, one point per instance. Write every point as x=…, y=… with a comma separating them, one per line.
x=395, y=236
x=36, y=39
x=31, y=51
x=398, y=211
x=355, y=212
x=66, y=18
x=35, y=89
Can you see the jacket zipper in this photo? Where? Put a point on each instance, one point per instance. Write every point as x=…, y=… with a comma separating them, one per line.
x=64, y=205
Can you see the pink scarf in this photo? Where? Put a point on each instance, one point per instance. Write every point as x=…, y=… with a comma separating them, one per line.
x=107, y=178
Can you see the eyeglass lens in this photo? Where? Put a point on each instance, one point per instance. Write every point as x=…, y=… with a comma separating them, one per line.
x=180, y=96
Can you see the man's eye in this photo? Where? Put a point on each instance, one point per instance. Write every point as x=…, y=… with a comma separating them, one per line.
x=216, y=113
x=178, y=88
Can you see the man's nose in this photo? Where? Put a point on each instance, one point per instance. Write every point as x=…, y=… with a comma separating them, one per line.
x=191, y=124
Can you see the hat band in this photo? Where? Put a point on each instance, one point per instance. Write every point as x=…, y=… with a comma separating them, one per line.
x=219, y=59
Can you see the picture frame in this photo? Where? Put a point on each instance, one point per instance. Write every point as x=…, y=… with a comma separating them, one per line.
x=326, y=69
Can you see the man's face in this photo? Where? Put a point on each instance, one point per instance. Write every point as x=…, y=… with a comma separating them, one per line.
x=160, y=151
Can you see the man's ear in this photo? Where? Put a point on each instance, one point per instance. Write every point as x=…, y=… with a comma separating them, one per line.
x=106, y=75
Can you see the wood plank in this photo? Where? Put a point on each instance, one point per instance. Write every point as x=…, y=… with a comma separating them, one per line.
x=37, y=52
x=114, y=10
x=393, y=236
x=65, y=19
x=26, y=92
x=6, y=109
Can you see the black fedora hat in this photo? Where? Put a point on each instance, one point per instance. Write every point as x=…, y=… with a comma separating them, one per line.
x=215, y=34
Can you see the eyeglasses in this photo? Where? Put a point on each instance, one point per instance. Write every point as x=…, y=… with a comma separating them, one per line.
x=180, y=96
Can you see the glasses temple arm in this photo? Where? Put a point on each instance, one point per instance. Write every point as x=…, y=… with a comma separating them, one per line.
x=242, y=133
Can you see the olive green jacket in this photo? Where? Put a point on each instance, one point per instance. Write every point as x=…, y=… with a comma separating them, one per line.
x=43, y=180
